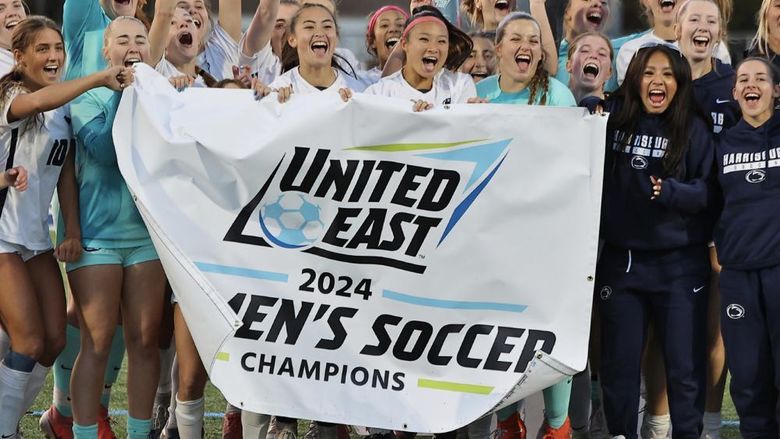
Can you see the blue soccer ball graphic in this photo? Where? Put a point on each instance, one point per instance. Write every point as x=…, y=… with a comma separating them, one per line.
x=291, y=221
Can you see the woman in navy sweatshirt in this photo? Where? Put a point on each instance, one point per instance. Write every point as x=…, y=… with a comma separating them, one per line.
x=655, y=225
x=748, y=240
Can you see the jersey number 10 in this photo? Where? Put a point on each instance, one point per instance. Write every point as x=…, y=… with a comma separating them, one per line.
x=59, y=151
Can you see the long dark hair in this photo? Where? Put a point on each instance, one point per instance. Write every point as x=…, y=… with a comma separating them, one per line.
x=460, y=43
x=678, y=117
x=540, y=82
x=290, y=54
x=23, y=36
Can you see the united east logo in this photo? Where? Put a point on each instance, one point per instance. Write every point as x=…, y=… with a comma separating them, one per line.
x=385, y=204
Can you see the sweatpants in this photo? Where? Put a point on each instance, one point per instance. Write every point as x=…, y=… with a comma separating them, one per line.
x=669, y=288
x=750, y=323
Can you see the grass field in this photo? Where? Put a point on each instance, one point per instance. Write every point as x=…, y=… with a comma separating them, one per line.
x=216, y=404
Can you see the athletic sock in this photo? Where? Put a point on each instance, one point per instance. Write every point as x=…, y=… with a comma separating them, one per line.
x=85, y=431
x=164, y=384
x=63, y=367
x=656, y=426
x=138, y=428
x=556, y=403
x=34, y=384
x=255, y=424
x=712, y=422
x=174, y=388
x=113, y=365
x=189, y=418
x=13, y=381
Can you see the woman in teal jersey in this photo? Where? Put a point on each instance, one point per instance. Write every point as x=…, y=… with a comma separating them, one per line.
x=523, y=78
x=34, y=132
x=120, y=269
x=524, y=81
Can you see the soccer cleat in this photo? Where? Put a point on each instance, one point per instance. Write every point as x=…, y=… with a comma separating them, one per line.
x=56, y=426
x=562, y=432
x=160, y=413
x=231, y=426
x=104, y=425
x=510, y=428
x=286, y=430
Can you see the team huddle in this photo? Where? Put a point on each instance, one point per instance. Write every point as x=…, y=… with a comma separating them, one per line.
x=690, y=252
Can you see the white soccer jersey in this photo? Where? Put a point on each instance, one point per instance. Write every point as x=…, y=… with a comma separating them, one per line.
x=264, y=65
x=626, y=53
x=301, y=86
x=220, y=55
x=448, y=88
x=41, y=149
x=167, y=69
x=6, y=61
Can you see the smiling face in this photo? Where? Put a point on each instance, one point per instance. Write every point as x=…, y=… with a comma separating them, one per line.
x=182, y=38
x=520, y=50
x=387, y=33
x=126, y=44
x=199, y=13
x=426, y=46
x=583, y=16
x=314, y=37
x=481, y=63
x=658, y=86
x=119, y=8
x=755, y=91
x=11, y=13
x=493, y=11
x=698, y=30
x=41, y=62
x=283, y=19
x=590, y=66
x=662, y=11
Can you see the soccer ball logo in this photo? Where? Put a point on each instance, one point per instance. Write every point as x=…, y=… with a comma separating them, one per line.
x=291, y=221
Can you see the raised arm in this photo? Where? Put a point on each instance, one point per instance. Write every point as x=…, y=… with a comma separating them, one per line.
x=54, y=96
x=161, y=26
x=260, y=29
x=539, y=12
x=230, y=17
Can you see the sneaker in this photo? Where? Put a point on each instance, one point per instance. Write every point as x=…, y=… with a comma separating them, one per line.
x=160, y=413
x=562, y=432
x=511, y=428
x=286, y=430
x=104, y=425
x=231, y=426
x=56, y=426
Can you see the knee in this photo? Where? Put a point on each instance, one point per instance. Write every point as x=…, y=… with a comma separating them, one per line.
x=97, y=344
x=54, y=345
x=191, y=386
x=142, y=340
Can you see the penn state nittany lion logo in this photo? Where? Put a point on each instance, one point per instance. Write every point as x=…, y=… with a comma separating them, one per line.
x=638, y=162
x=755, y=176
x=735, y=311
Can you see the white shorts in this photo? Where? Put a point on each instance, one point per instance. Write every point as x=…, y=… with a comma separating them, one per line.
x=24, y=252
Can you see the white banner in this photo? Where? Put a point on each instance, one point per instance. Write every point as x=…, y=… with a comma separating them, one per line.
x=362, y=264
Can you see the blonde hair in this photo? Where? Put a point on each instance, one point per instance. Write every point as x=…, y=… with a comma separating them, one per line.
x=761, y=39
x=110, y=28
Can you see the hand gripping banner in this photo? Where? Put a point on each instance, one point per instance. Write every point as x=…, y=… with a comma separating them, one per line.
x=362, y=264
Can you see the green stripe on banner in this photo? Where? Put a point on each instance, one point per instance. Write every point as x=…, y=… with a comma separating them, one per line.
x=454, y=387
x=401, y=147
x=223, y=356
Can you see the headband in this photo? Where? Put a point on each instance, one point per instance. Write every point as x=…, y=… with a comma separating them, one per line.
x=420, y=20
x=375, y=17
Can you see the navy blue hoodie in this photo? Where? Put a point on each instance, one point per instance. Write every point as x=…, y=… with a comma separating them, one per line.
x=713, y=93
x=748, y=233
x=679, y=217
